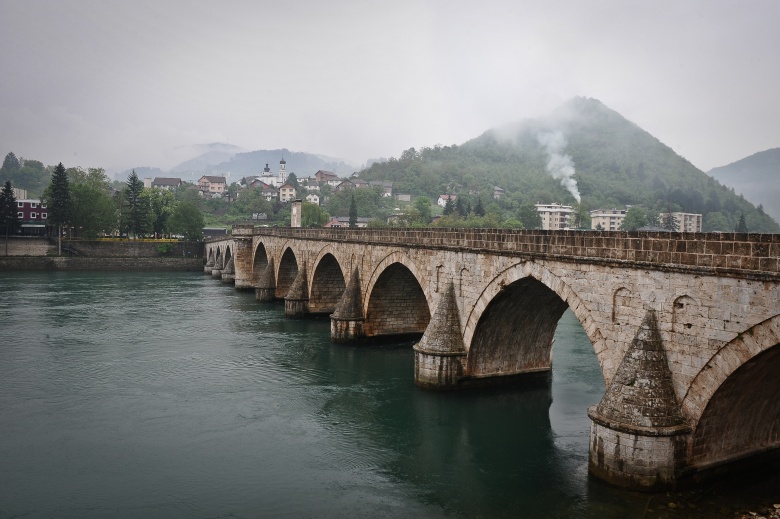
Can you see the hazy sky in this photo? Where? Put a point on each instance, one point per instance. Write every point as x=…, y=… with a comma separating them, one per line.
x=120, y=83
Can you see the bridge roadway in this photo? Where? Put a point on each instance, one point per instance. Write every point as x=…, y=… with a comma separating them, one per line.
x=686, y=327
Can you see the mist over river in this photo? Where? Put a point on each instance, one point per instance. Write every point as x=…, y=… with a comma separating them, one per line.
x=173, y=395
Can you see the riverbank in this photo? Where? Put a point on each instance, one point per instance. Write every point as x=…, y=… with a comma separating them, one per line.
x=79, y=263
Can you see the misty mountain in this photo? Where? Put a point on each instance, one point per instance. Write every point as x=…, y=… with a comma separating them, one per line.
x=300, y=163
x=212, y=154
x=757, y=177
x=581, y=149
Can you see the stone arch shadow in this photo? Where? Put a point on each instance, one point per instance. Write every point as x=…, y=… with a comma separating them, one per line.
x=396, y=300
x=541, y=298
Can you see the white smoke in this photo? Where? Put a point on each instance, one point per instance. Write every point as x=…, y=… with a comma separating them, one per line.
x=559, y=165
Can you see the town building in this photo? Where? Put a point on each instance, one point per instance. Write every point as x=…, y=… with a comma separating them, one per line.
x=313, y=198
x=287, y=192
x=166, y=183
x=19, y=193
x=212, y=187
x=324, y=177
x=498, y=192
x=386, y=187
x=607, y=219
x=685, y=222
x=32, y=216
x=442, y=201
x=554, y=216
x=343, y=221
x=277, y=180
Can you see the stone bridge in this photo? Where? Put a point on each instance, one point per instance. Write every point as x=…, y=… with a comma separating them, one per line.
x=686, y=327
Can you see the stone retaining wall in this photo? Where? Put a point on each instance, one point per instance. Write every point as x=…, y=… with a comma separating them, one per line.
x=44, y=263
x=130, y=248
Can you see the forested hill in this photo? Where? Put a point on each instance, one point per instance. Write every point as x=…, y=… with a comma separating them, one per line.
x=757, y=177
x=595, y=151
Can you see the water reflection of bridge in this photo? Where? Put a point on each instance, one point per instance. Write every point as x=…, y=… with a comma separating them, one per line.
x=685, y=326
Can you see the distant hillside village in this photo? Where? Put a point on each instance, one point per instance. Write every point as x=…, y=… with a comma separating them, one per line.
x=283, y=187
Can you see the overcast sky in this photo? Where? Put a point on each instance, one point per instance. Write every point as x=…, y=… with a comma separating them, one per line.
x=118, y=83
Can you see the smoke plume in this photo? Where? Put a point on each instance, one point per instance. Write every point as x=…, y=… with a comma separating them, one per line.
x=559, y=165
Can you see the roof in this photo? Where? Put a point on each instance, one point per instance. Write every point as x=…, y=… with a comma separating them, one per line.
x=216, y=180
x=287, y=185
x=166, y=181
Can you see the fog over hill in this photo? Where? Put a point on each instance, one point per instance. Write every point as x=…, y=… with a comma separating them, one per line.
x=757, y=177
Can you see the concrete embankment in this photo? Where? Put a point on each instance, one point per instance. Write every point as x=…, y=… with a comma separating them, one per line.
x=51, y=263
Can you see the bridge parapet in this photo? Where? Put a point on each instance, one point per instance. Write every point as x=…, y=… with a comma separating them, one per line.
x=723, y=254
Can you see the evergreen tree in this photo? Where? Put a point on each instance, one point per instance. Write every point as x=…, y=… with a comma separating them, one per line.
x=479, y=210
x=449, y=207
x=58, y=201
x=11, y=164
x=741, y=226
x=137, y=214
x=353, y=214
x=459, y=207
x=9, y=219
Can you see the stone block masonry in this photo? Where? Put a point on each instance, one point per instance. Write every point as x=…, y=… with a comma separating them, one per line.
x=715, y=300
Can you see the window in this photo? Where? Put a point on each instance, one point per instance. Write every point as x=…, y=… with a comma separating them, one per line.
x=19, y=204
x=20, y=214
x=33, y=215
x=44, y=216
x=33, y=205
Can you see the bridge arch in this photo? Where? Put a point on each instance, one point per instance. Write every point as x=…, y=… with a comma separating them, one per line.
x=259, y=258
x=327, y=282
x=734, y=401
x=286, y=271
x=510, y=328
x=741, y=413
x=396, y=301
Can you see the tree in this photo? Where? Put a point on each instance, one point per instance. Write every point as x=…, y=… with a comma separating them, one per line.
x=529, y=216
x=9, y=219
x=137, y=210
x=313, y=216
x=292, y=179
x=668, y=221
x=423, y=206
x=187, y=220
x=58, y=201
x=449, y=207
x=479, y=210
x=741, y=226
x=635, y=218
x=353, y=213
x=92, y=211
x=160, y=204
x=11, y=164
x=581, y=216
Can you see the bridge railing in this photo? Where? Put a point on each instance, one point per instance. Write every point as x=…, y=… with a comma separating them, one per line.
x=719, y=251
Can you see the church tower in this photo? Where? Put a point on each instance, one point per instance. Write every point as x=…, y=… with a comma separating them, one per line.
x=282, y=176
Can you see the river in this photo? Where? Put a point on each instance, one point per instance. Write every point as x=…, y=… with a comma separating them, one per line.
x=173, y=395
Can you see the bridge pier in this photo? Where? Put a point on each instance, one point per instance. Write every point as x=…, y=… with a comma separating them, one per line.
x=229, y=272
x=242, y=262
x=346, y=321
x=638, y=436
x=296, y=302
x=265, y=291
x=440, y=354
x=209, y=266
